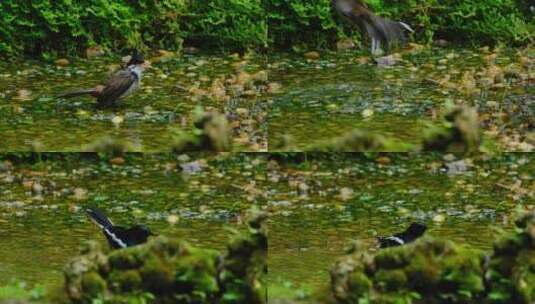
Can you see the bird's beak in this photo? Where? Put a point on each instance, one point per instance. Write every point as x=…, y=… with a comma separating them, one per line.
x=146, y=64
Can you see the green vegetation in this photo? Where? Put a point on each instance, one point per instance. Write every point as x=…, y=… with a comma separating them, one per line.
x=45, y=27
x=171, y=271
x=67, y=27
x=437, y=271
x=20, y=291
x=294, y=22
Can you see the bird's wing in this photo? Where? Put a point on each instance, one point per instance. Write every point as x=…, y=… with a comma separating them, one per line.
x=390, y=241
x=118, y=84
x=99, y=218
x=117, y=236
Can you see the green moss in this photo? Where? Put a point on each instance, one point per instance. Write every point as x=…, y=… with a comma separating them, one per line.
x=125, y=259
x=458, y=133
x=391, y=280
x=391, y=258
x=356, y=140
x=158, y=277
x=212, y=133
x=93, y=284
x=172, y=271
x=125, y=281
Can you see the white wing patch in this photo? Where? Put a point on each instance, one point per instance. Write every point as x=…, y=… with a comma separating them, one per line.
x=407, y=27
x=115, y=238
x=396, y=239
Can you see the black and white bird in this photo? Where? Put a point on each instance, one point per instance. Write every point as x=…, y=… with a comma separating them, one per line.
x=414, y=231
x=121, y=84
x=119, y=237
x=382, y=31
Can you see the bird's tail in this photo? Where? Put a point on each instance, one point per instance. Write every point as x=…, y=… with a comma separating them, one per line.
x=79, y=92
x=99, y=218
x=393, y=32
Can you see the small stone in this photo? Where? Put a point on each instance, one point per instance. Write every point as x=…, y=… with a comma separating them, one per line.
x=312, y=55
x=117, y=161
x=191, y=50
x=439, y=218
x=274, y=87
x=62, y=62
x=383, y=160
x=80, y=194
x=172, y=219
x=117, y=120
x=388, y=60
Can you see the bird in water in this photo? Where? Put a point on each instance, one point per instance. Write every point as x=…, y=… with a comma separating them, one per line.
x=121, y=84
x=414, y=231
x=382, y=31
x=119, y=237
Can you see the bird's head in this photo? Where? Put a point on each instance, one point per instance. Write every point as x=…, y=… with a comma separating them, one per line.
x=136, y=58
x=417, y=229
x=144, y=231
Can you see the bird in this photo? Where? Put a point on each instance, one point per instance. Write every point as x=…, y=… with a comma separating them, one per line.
x=119, y=237
x=414, y=231
x=381, y=31
x=121, y=84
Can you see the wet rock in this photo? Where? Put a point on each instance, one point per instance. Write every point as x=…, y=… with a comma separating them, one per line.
x=62, y=62
x=312, y=55
x=459, y=133
x=212, y=134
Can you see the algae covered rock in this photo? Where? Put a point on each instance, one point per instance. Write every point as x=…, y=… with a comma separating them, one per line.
x=459, y=132
x=244, y=273
x=428, y=271
x=440, y=271
x=168, y=270
x=211, y=133
x=511, y=273
x=356, y=140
